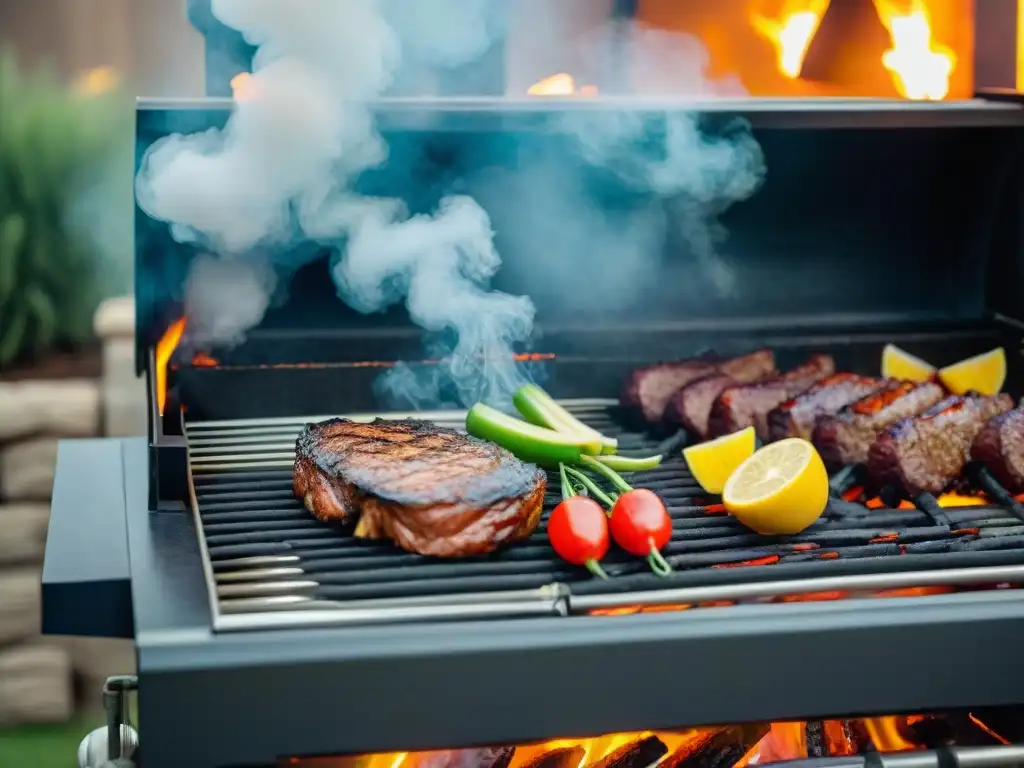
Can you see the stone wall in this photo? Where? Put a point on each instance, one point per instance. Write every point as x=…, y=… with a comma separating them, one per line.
x=38, y=675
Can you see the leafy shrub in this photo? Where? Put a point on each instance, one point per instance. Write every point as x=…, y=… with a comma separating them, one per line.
x=55, y=141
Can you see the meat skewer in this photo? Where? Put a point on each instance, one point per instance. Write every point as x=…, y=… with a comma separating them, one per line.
x=690, y=407
x=846, y=437
x=796, y=417
x=997, y=454
x=742, y=406
x=647, y=390
x=924, y=454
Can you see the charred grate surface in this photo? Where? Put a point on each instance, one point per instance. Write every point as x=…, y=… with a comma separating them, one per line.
x=268, y=554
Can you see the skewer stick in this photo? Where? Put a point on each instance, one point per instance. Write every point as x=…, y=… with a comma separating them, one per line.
x=980, y=475
x=928, y=504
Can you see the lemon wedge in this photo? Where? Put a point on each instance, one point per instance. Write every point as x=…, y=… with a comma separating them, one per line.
x=983, y=373
x=781, y=489
x=899, y=364
x=712, y=462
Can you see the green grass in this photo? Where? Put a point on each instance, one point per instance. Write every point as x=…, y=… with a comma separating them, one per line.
x=45, y=746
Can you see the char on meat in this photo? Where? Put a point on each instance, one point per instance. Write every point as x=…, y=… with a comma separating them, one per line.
x=796, y=417
x=648, y=390
x=431, y=490
x=690, y=407
x=846, y=437
x=924, y=454
x=1000, y=447
x=746, y=405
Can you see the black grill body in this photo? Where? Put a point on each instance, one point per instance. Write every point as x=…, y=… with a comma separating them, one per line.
x=878, y=222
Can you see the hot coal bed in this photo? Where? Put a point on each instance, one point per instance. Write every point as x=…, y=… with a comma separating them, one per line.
x=265, y=636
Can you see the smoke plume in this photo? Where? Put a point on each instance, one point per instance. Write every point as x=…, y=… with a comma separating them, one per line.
x=282, y=172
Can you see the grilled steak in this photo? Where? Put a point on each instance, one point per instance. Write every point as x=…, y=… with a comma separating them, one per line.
x=796, y=417
x=1000, y=447
x=647, y=390
x=924, y=454
x=846, y=437
x=748, y=405
x=690, y=407
x=431, y=490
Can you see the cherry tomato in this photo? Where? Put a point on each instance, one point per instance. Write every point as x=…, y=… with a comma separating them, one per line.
x=578, y=531
x=640, y=524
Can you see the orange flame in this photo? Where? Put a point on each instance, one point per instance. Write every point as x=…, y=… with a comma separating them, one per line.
x=791, y=32
x=920, y=67
x=164, y=349
x=885, y=734
x=242, y=86
x=561, y=84
x=203, y=360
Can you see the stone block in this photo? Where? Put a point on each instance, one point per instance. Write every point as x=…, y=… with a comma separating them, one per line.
x=20, y=608
x=26, y=469
x=115, y=317
x=35, y=685
x=124, y=394
x=68, y=408
x=97, y=658
x=23, y=532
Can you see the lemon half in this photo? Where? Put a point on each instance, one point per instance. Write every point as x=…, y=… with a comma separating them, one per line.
x=985, y=373
x=900, y=364
x=781, y=489
x=712, y=463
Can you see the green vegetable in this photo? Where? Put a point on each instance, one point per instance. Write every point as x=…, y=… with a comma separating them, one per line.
x=539, y=408
x=527, y=441
x=625, y=464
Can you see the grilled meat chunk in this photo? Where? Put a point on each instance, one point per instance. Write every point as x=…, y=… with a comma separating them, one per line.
x=924, y=454
x=1000, y=447
x=648, y=390
x=748, y=405
x=796, y=417
x=431, y=490
x=690, y=407
x=846, y=437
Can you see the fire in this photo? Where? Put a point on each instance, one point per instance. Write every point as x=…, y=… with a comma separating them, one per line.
x=919, y=66
x=761, y=744
x=562, y=84
x=242, y=86
x=164, y=349
x=791, y=32
x=203, y=360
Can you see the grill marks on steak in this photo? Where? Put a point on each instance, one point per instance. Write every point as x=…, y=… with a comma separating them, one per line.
x=846, y=437
x=1000, y=447
x=748, y=405
x=924, y=454
x=648, y=390
x=690, y=407
x=796, y=417
x=431, y=490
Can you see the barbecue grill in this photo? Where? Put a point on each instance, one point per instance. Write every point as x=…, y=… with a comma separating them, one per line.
x=266, y=636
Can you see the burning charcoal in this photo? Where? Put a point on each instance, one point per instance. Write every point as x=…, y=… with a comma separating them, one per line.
x=846, y=737
x=637, y=754
x=564, y=757
x=930, y=732
x=485, y=757
x=817, y=745
x=716, y=749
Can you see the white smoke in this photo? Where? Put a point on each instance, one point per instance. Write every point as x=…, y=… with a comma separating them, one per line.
x=282, y=171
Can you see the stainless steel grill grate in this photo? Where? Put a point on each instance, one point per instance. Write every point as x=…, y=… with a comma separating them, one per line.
x=269, y=563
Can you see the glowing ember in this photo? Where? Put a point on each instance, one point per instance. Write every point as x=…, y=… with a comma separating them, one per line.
x=164, y=349
x=561, y=84
x=792, y=32
x=203, y=360
x=919, y=66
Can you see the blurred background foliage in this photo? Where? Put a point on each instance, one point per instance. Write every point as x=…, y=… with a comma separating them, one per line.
x=65, y=205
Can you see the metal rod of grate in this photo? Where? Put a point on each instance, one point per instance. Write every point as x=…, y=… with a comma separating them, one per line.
x=268, y=556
